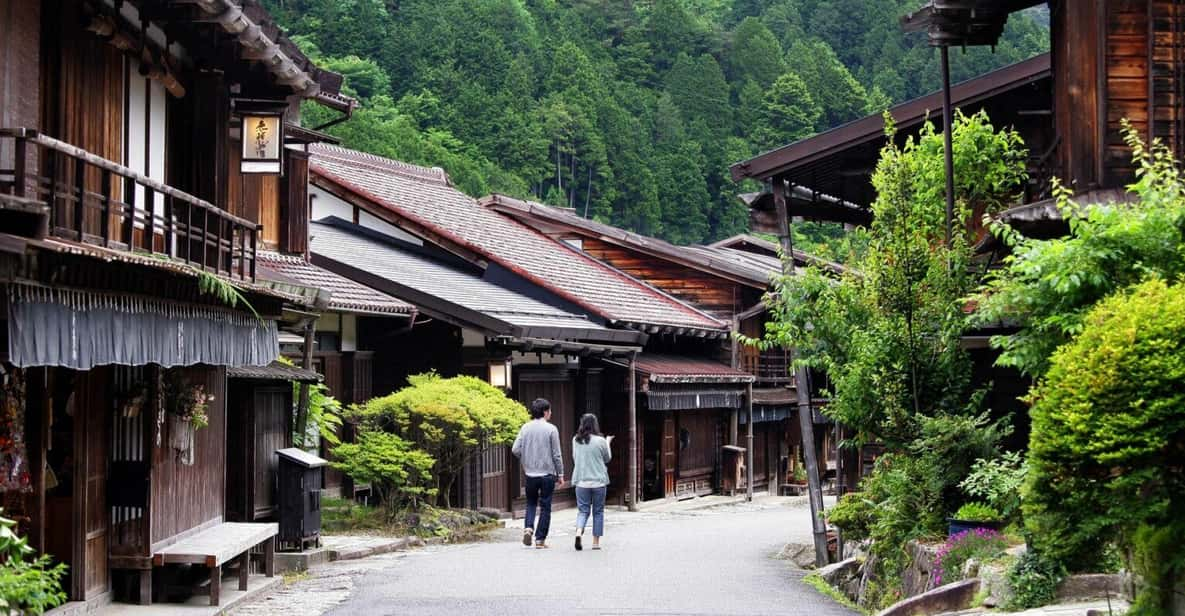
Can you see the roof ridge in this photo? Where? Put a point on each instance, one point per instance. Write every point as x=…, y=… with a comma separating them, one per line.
x=410, y=170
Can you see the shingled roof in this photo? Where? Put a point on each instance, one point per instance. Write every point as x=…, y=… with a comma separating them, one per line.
x=422, y=200
x=345, y=294
x=456, y=292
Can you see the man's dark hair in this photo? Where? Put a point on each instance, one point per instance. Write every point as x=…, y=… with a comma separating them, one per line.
x=539, y=407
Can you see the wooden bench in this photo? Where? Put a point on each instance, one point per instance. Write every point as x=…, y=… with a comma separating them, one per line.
x=219, y=545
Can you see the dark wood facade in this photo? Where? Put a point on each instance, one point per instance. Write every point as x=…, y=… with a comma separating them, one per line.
x=127, y=161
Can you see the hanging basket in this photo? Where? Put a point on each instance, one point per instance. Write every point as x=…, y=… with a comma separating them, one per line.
x=181, y=432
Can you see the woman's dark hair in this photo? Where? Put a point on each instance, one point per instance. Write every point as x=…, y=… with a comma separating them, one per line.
x=588, y=427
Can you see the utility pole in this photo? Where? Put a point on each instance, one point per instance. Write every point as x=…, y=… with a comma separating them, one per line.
x=802, y=389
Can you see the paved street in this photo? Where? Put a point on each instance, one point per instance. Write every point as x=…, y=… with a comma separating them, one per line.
x=708, y=561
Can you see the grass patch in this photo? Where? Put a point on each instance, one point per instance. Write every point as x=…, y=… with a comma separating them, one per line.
x=451, y=525
x=817, y=582
x=292, y=577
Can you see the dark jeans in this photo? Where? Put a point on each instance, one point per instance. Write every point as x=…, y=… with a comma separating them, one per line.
x=539, y=490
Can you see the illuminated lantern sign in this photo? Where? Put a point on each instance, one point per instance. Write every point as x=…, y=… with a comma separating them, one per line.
x=262, y=143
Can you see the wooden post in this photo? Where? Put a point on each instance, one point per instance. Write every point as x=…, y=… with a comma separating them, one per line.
x=215, y=583
x=20, y=162
x=632, y=482
x=801, y=388
x=946, y=140
x=269, y=557
x=749, y=442
x=302, y=408
x=244, y=569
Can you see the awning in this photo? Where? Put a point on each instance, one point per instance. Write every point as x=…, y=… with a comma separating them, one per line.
x=274, y=371
x=683, y=399
x=775, y=396
x=765, y=414
x=677, y=369
x=79, y=329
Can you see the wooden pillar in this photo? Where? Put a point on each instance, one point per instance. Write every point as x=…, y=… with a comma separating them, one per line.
x=302, y=408
x=801, y=388
x=632, y=482
x=948, y=154
x=37, y=438
x=749, y=457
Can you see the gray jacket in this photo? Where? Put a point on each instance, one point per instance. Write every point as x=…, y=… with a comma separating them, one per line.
x=538, y=449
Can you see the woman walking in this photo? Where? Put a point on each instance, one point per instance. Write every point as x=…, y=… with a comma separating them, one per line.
x=590, y=455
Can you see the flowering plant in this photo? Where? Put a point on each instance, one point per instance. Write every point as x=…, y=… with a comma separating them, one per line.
x=189, y=402
x=961, y=547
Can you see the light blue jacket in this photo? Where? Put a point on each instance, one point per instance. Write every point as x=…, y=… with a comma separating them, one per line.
x=590, y=459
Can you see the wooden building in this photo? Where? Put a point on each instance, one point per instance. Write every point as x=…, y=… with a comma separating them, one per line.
x=728, y=280
x=122, y=206
x=416, y=211
x=1109, y=60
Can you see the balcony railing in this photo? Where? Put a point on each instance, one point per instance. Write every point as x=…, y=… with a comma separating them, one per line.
x=770, y=367
x=95, y=201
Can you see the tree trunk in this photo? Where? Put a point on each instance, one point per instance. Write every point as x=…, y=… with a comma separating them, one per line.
x=588, y=191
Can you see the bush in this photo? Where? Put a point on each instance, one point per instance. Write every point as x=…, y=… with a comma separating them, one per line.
x=1160, y=563
x=979, y=543
x=448, y=419
x=26, y=586
x=997, y=481
x=399, y=474
x=1034, y=581
x=977, y=512
x=1108, y=428
x=853, y=515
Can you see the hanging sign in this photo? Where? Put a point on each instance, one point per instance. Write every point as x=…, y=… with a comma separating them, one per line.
x=263, y=137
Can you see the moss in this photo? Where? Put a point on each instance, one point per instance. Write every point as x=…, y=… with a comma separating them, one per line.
x=817, y=582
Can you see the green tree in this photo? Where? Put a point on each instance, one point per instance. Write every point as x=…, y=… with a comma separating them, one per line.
x=788, y=113
x=755, y=55
x=840, y=97
x=446, y=419
x=1048, y=286
x=697, y=87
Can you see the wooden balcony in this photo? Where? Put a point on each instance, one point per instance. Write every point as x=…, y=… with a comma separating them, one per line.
x=96, y=201
x=770, y=367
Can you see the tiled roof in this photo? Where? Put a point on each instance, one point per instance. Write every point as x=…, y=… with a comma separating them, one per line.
x=721, y=260
x=423, y=197
x=679, y=369
x=446, y=289
x=346, y=295
x=274, y=371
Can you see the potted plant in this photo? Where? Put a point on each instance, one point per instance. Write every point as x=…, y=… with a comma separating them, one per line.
x=974, y=515
x=188, y=406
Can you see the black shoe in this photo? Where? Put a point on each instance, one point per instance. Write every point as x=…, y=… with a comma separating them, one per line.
x=528, y=535
x=578, y=546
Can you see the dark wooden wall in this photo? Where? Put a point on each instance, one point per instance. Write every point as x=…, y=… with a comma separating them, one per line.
x=20, y=79
x=1077, y=38
x=714, y=295
x=185, y=497
x=1115, y=60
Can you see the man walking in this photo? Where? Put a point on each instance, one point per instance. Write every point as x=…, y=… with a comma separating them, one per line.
x=538, y=449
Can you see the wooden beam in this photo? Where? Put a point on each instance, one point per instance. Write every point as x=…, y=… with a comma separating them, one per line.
x=801, y=386
x=632, y=466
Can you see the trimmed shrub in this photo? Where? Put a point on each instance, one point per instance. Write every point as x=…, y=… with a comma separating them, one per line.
x=1109, y=428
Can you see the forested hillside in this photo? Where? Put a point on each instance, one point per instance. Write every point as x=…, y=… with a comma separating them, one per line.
x=628, y=111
